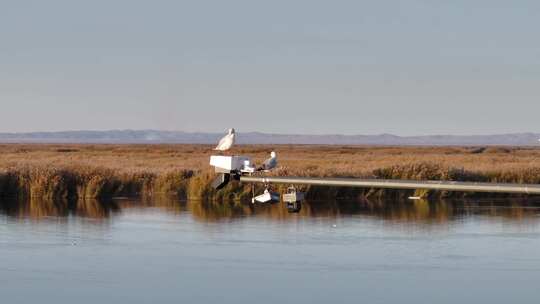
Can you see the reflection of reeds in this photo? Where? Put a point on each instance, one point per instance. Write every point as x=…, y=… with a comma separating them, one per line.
x=36, y=207
x=391, y=211
x=423, y=212
x=213, y=211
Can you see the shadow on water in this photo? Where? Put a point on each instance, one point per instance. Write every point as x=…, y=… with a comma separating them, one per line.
x=421, y=211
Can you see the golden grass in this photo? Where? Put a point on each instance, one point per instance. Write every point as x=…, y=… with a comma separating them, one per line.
x=104, y=171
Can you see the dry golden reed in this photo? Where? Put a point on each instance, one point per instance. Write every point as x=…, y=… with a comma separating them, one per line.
x=105, y=171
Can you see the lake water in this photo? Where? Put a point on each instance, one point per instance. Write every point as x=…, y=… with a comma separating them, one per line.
x=164, y=251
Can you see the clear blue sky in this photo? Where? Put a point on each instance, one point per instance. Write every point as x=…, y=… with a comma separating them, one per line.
x=307, y=66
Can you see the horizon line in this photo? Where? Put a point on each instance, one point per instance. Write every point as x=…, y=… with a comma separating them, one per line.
x=270, y=133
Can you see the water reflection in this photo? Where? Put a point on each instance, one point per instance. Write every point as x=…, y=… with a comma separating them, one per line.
x=421, y=211
x=36, y=208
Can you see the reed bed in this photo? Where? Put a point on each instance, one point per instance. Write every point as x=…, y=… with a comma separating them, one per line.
x=70, y=172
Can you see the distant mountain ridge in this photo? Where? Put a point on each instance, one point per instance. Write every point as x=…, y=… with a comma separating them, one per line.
x=156, y=137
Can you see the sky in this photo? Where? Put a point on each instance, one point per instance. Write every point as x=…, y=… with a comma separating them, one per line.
x=315, y=67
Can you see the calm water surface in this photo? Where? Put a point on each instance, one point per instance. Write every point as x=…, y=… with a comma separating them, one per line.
x=164, y=251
